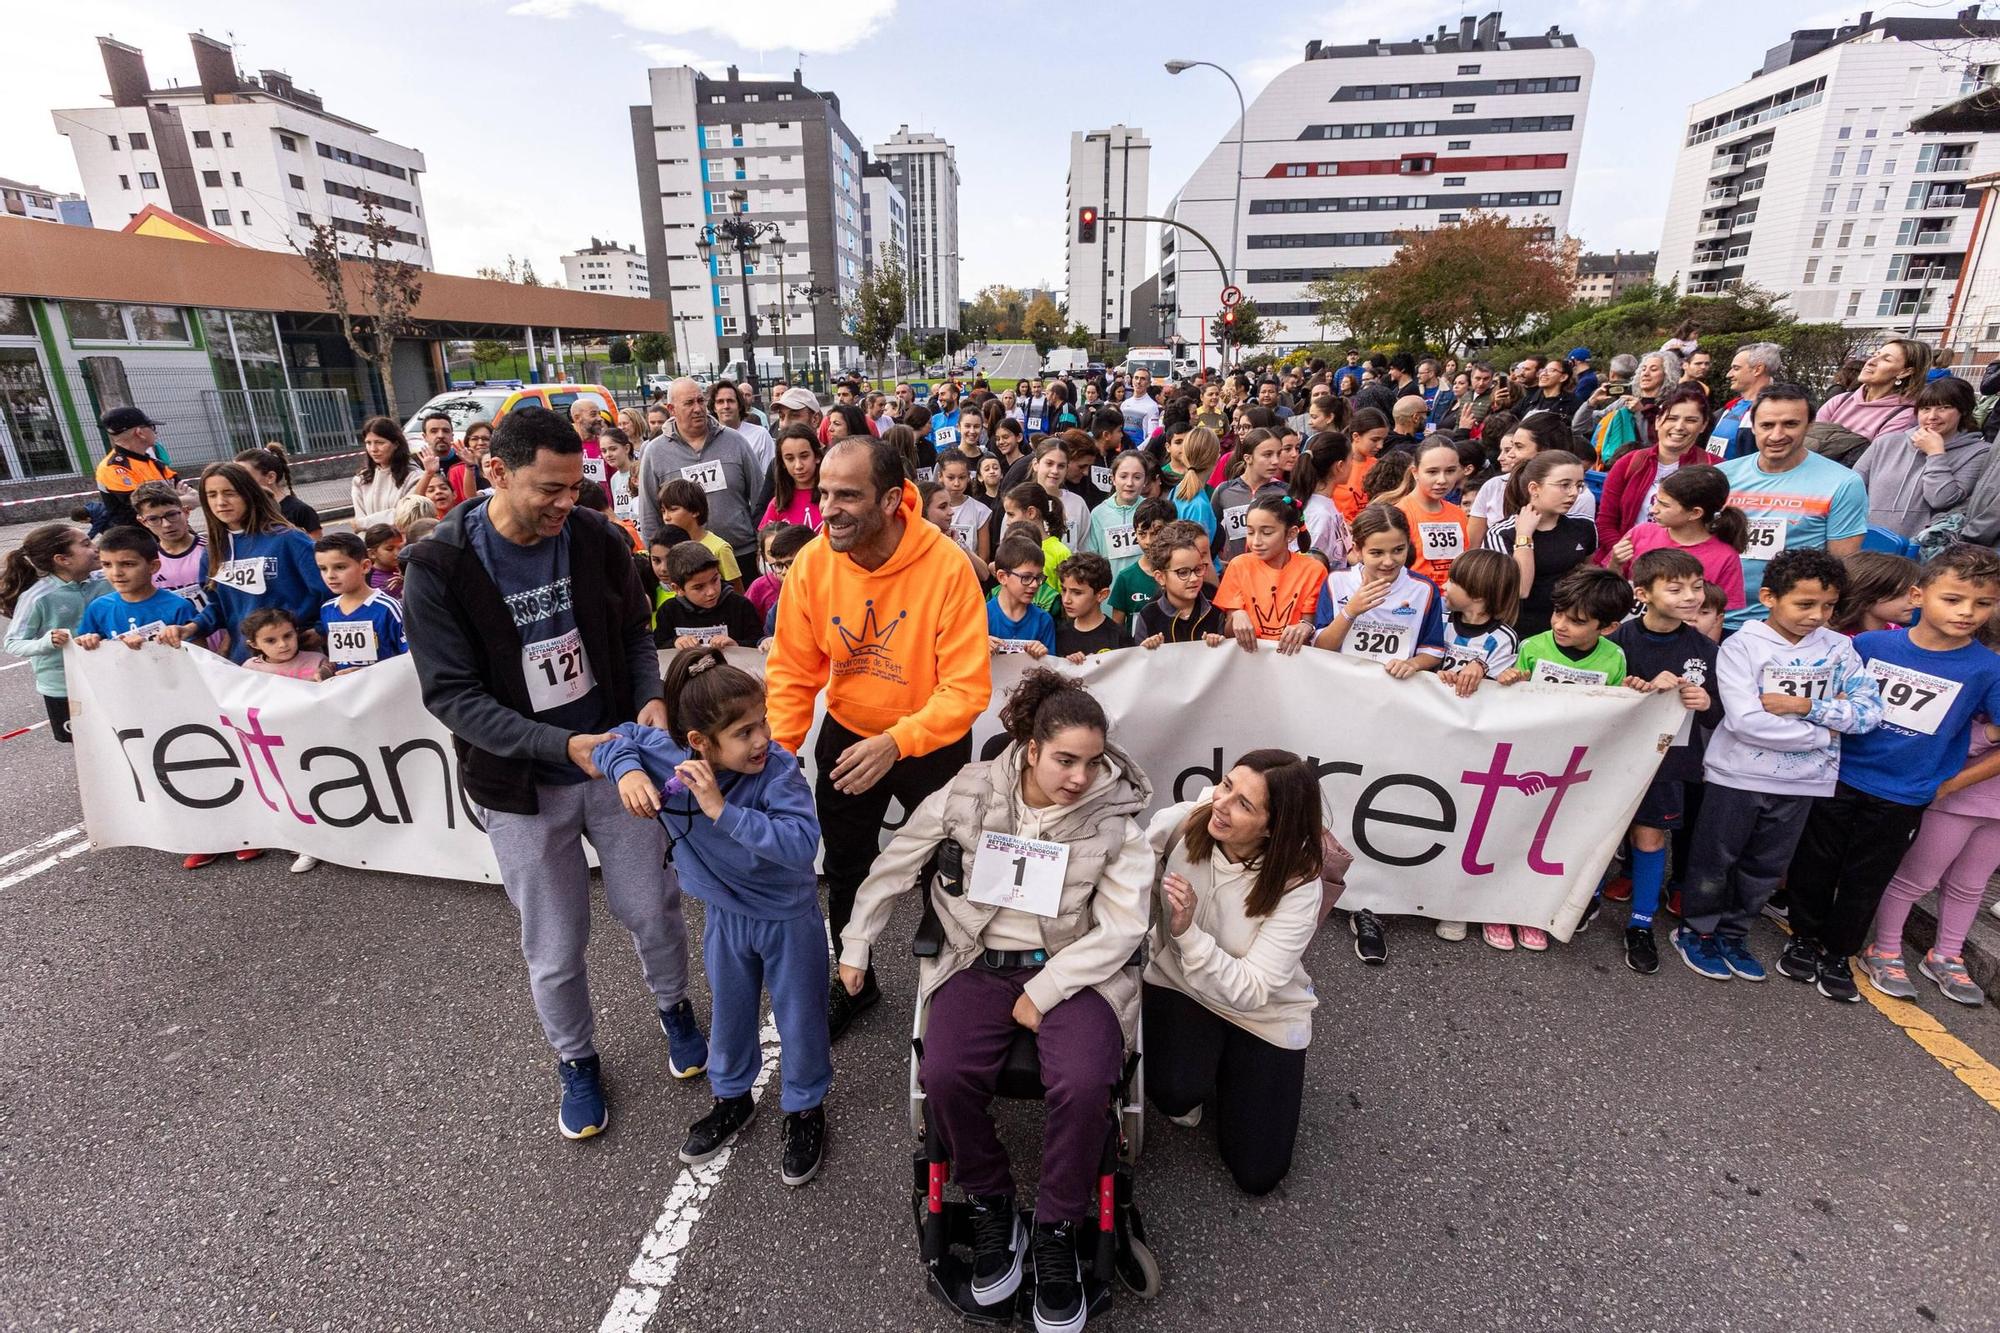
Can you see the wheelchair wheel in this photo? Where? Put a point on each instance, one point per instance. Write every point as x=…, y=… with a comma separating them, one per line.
x=1138, y=1271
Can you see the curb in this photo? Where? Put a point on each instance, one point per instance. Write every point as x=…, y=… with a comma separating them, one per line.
x=1982, y=945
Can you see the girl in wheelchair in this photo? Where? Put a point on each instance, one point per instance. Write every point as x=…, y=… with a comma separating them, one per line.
x=1042, y=891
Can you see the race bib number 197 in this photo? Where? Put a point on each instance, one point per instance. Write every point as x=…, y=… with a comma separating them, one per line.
x=1913, y=700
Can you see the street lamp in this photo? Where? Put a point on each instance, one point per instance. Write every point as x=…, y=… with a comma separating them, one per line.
x=746, y=238
x=812, y=293
x=1242, y=127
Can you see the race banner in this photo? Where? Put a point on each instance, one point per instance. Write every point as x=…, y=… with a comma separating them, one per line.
x=1504, y=807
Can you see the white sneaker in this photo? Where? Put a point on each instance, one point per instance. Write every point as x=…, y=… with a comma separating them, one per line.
x=1451, y=930
x=304, y=863
x=1190, y=1120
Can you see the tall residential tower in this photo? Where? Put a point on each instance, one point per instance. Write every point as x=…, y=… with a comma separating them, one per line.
x=1107, y=171
x=925, y=169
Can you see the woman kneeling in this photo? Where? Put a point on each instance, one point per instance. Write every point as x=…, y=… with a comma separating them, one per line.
x=1041, y=889
x=1228, y=1004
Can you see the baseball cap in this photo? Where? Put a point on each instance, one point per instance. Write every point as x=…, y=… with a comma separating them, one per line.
x=798, y=397
x=1579, y=354
x=121, y=419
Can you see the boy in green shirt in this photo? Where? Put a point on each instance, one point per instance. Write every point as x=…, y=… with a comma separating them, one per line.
x=1588, y=602
x=1137, y=586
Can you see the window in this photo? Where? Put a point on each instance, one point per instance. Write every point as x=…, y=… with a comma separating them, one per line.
x=288, y=143
x=297, y=182
x=202, y=139
x=1833, y=273
x=1854, y=198
x=108, y=321
x=1853, y=304
x=1861, y=167
x=245, y=216
x=137, y=140
x=1458, y=145
x=1881, y=199
x=1812, y=270
x=305, y=219
x=1846, y=235
x=1454, y=180
x=1448, y=217
x=1819, y=236
x=124, y=182
x=228, y=140
x=219, y=216
x=236, y=178
x=1462, y=108
x=114, y=142
x=1839, y=162
x=1846, y=133
x=1468, y=69
x=212, y=179
x=148, y=181
x=1826, y=198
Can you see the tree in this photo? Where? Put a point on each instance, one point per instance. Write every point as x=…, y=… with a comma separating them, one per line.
x=1247, y=331
x=934, y=347
x=997, y=312
x=521, y=271
x=1337, y=295
x=1483, y=279
x=1078, y=336
x=389, y=288
x=908, y=348
x=1044, y=324
x=620, y=352
x=490, y=351
x=876, y=310
x=652, y=348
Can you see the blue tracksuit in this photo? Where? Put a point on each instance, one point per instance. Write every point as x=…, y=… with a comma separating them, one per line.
x=754, y=871
x=274, y=568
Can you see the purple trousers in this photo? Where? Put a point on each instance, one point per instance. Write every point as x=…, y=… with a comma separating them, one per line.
x=965, y=1045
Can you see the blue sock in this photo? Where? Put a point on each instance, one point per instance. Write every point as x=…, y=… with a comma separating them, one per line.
x=1649, y=870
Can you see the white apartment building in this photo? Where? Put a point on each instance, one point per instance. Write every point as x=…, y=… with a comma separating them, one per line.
x=885, y=216
x=925, y=169
x=606, y=266
x=1107, y=171
x=1357, y=143
x=1807, y=180
x=18, y=199
x=257, y=160
x=770, y=153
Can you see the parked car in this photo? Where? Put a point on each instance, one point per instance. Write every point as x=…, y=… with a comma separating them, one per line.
x=492, y=401
x=1064, y=360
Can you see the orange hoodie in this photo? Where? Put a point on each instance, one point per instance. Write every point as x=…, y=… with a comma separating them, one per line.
x=901, y=649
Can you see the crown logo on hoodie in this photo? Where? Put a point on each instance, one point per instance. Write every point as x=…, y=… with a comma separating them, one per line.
x=873, y=638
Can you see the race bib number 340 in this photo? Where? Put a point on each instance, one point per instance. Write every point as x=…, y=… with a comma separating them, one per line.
x=1911, y=699
x=351, y=643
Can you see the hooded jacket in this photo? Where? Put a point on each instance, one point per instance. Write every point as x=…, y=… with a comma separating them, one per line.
x=1620, y=508
x=1907, y=488
x=900, y=650
x=732, y=510
x=1757, y=750
x=48, y=605
x=1873, y=419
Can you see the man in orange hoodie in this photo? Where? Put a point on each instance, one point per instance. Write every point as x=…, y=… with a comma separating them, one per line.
x=884, y=613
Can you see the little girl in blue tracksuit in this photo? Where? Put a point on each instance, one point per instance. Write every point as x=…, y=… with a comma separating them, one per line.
x=743, y=835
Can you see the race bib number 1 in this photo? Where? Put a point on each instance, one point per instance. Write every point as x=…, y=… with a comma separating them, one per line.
x=1913, y=700
x=557, y=671
x=1766, y=540
x=1025, y=874
x=351, y=643
x=707, y=475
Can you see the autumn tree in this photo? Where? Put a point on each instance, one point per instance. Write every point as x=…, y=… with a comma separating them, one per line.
x=1044, y=323
x=1336, y=297
x=388, y=288
x=1483, y=279
x=876, y=309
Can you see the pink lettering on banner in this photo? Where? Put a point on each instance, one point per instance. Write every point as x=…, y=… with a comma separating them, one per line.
x=262, y=741
x=1493, y=780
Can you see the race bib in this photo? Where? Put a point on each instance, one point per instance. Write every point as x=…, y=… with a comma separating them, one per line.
x=593, y=469
x=243, y=575
x=1766, y=539
x=947, y=437
x=557, y=671
x=1120, y=542
x=1236, y=522
x=1100, y=477
x=622, y=502
x=1800, y=682
x=1555, y=673
x=1911, y=699
x=148, y=631
x=1025, y=874
x=704, y=633
x=1034, y=423
x=707, y=475
x=1440, y=543
x=926, y=474
x=351, y=643
x=1379, y=639
x=1013, y=645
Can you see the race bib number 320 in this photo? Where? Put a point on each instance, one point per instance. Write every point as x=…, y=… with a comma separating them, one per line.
x=1911, y=699
x=557, y=671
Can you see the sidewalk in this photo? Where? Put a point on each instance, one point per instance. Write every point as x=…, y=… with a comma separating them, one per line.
x=329, y=496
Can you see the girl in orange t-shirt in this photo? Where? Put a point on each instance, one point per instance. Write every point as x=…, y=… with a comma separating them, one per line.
x=1366, y=435
x=1271, y=590
x=1437, y=526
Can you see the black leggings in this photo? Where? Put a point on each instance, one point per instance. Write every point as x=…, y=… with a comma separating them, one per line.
x=1252, y=1089
x=851, y=826
x=58, y=717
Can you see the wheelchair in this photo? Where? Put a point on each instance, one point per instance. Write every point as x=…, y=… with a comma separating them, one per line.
x=944, y=1226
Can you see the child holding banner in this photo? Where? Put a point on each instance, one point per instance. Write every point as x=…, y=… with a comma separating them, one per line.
x=44, y=588
x=744, y=837
x=1379, y=609
x=1271, y=589
x=361, y=625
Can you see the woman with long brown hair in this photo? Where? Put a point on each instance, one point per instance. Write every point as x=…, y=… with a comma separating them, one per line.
x=388, y=473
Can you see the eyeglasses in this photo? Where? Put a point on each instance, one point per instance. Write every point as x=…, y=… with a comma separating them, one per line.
x=1191, y=572
x=777, y=566
x=161, y=517
x=1023, y=575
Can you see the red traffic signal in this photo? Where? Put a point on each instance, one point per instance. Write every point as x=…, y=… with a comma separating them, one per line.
x=1229, y=317
x=1086, y=226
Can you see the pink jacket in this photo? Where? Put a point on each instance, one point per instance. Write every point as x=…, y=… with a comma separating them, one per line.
x=1625, y=487
x=1855, y=413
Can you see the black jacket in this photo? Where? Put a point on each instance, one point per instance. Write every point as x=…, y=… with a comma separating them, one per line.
x=468, y=652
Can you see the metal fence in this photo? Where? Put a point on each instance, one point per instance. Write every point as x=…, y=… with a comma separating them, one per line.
x=307, y=421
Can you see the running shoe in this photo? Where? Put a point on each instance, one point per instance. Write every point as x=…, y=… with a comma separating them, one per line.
x=1498, y=935
x=1451, y=930
x=1619, y=890
x=1951, y=977
x=1698, y=952
x=1370, y=945
x=1532, y=938
x=1836, y=980
x=709, y=1135
x=805, y=1145
x=1800, y=960
x=1739, y=960
x=196, y=860
x=1059, y=1304
x=583, y=1112
x=249, y=853
x=687, y=1049
x=1886, y=973
x=1189, y=1120
x=304, y=863
x=999, y=1242
x=1642, y=951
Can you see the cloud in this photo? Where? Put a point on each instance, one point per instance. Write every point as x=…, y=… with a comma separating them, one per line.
x=811, y=26
x=663, y=55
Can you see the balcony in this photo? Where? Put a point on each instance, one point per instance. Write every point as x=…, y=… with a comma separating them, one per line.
x=1705, y=261
x=1728, y=162
x=1750, y=187
x=1932, y=238
x=1736, y=252
x=1722, y=194
x=1760, y=152
x=1703, y=288
x=1943, y=199
x=1718, y=227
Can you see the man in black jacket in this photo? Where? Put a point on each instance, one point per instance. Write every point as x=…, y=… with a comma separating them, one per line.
x=531, y=640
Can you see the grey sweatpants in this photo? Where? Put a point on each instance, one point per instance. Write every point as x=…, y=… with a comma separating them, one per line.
x=1743, y=841
x=548, y=881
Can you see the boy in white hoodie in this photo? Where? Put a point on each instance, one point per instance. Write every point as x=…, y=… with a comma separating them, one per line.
x=1790, y=688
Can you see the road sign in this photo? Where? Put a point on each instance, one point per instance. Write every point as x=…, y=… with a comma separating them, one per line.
x=1230, y=296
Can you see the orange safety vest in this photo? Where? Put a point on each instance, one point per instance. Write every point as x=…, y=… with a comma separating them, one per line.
x=121, y=473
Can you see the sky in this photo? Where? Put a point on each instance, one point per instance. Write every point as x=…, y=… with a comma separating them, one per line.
x=520, y=106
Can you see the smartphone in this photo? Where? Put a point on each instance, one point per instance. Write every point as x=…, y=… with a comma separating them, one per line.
x=1617, y=390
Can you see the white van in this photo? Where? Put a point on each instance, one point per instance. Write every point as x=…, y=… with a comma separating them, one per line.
x=1074, y=360
x=1158, y=360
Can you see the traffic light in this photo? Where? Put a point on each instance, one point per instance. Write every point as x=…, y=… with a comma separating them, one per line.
x=1229, y=319
x=1086, y=226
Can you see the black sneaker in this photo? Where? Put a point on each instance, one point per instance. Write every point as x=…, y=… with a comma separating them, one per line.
x=1590, y=913
x=1642, y=951
x=1059, y=1306
x=1836, y=980
x=842, y=1008
x=1800, y=960
x=1370, y=946
x=805, y=1145
x=711, y=1134
x=999, y=1241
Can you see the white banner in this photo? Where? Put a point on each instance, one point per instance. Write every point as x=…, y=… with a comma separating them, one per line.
x=1502, y=807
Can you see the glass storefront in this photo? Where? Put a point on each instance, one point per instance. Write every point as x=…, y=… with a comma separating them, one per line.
x=31, y=432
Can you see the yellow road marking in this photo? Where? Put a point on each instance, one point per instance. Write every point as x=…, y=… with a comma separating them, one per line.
x=1972, y=1068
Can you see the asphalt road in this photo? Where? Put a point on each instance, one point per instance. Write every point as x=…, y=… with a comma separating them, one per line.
x=239, y=1098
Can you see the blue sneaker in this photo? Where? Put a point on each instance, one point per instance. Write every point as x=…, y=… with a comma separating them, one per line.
x=1738, y=960
x=583, y=1111
x=1699, y=953
x=687, y=1049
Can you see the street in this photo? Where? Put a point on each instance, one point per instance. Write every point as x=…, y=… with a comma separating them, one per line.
x=237, y=1098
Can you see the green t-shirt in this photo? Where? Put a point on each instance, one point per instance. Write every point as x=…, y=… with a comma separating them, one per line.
x=1132, y=591
x=1544, y=660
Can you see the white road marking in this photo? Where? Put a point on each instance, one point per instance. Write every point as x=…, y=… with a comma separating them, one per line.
x=36, y=868
x=36, y=848
x=11, y=665
x=652, y=1272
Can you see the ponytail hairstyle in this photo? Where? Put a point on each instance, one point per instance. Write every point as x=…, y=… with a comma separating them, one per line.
x=1536, y=470
x=1391, y=477
x=1323, y=453
x=1046, y=702
x=1293, y=826
x=899, y=437
x=1200, y=451
x=1872, y=576
x=1046, y=508
x=1707, y=489
x=1377, y=518
x=1246, y=444
x=1491, y=578
x=260, y=510
x=1290, y=513
x=33, y=558
x=703, y=693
